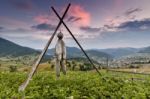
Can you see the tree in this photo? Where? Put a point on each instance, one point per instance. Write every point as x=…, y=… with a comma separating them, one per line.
x=68, y=64
x=81, y=67
x=73, y=65
x=12, y=68
x=49, y=62
x=87, y=66
x=52, y=66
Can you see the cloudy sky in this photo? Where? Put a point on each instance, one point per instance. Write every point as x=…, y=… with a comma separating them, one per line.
x=95, y=23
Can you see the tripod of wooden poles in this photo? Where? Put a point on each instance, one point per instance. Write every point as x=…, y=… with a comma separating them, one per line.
x=24, y=85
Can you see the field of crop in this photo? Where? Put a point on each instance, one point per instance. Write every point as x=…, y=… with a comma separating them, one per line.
x=75, y=85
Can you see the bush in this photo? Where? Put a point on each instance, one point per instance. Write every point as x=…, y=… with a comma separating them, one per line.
x=12, y=68
x=73, y=65
x=52, y=66
x=81, y=67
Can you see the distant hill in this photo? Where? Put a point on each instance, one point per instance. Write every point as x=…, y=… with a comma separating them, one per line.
x=145, y=50
x=8, y=48
x=141, y=53
x=73, y=52
x=119, y=52
x=137, y=55
x=93, y=53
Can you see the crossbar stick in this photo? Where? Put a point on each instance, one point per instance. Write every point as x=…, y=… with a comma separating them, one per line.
x=76, y=41
x=24, y=85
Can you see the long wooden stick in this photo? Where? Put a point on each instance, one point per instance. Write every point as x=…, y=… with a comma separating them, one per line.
x=24, y=85
x=76, y=41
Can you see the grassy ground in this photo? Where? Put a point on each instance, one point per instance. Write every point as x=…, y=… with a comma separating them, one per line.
x=76, y=84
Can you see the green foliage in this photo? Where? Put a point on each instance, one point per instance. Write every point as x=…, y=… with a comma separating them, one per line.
x=79, y=85
x=73, y=65
x=68, y=64
x=52, y=66
x=81, y=67
x=88, y=66
x=12, y=68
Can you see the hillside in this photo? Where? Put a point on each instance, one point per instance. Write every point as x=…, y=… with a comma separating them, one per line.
x=8, y=48
x=145, y=50
x=142, y=54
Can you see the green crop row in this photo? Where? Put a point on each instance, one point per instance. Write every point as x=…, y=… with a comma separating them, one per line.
x=76, y=85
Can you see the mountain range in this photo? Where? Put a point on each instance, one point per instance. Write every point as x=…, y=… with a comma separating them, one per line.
x=8, y=48
x=73, y=52
x=119, y=52
x=11, y=49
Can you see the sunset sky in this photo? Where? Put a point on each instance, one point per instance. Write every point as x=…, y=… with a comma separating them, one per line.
x=95, y=23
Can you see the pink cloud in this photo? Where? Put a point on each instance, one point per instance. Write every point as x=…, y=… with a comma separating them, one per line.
x=41, y=18
x=45, y=18
x=79, y=12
